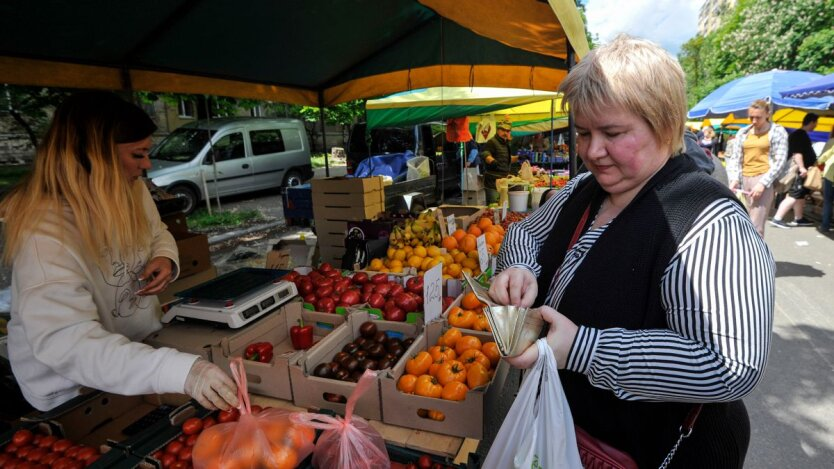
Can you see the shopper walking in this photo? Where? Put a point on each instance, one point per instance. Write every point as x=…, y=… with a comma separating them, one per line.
x=802, y=153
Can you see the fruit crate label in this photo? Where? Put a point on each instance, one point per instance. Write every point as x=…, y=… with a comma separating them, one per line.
x=483, y=254
x=433, y=293
x=451, y=224
x=504, y=211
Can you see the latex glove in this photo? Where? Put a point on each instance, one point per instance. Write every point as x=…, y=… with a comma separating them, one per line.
x=560, y=337
x=515, y=286
x=157, y=274
x=210, y=386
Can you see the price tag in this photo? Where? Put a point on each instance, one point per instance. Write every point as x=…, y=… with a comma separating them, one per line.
x=504, y=211
x=433, y=293
x=483, y=254
x=451, y=224
x=496, y=217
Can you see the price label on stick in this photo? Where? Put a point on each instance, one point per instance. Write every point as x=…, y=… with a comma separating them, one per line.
x=483, y=254
x=496, y=217
x=504, y=211
x=451, y=224
x=433, y=293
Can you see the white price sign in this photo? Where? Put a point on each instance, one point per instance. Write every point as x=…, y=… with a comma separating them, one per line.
x=433, y=293
x=496, y=217
x=504, y=211
x=483, y=254
x=451, y=224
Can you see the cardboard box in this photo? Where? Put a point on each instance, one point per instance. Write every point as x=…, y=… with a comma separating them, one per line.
x=273, y=379
x=348, y=198
x=308, y=391
x=184, y=283
x=473, y=197
x=177, y=224
x=463, y=418
x=464, y=215
x=194, y=253
x=292, y=251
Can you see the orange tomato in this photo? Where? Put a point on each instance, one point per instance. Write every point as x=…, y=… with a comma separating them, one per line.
x=454, y=391
x=459, y=234
x=437, y=415
x=474, y=230
x=476, y=376
x=490, y=349
x=441, y=351
x=428, y=386
x=468, y=244
x=454, y=310
x=449, y=372
x=450, y=337
x=482, y=323
x=282, y=457
x=467, y=342
x=474, y=356
x=470, y=301
x=464, y=319
x=484, y=223
x=449, y=242
x=435, y=366
x=406, y=383
x=419, y=364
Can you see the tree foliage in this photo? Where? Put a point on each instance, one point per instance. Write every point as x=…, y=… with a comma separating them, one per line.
x=757, y=36
x=30, y=107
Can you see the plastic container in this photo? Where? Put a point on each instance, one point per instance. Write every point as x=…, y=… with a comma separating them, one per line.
x=518, y=201
x=418, y=168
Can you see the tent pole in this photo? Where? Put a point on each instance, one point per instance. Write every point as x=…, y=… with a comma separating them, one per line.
x=552, y=105
x=323, y=135
x=573, y=166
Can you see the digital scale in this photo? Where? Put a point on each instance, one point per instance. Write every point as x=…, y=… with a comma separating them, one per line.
x=235, y=298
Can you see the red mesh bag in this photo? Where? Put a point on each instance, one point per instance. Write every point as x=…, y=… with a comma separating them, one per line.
x=266, y=440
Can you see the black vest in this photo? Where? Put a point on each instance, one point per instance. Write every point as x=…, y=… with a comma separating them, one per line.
x=618, y=286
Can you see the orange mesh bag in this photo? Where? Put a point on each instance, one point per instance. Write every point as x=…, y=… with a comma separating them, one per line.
x=266, y=440
x=349, y=443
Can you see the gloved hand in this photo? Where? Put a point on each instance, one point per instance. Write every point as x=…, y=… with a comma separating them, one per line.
x=210, y=386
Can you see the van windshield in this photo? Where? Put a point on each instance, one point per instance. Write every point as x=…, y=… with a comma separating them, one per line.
x=182, y=145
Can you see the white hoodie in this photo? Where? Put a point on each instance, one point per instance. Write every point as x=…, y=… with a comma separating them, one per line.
x=74, y=325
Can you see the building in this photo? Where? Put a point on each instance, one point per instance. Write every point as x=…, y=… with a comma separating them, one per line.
x=710, y=16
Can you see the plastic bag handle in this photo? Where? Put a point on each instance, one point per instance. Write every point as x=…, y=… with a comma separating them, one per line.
x=327, y=422
x=239, y=374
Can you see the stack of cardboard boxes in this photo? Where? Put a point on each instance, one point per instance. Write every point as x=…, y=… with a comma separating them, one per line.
x=472, y=192
x=195, y=260
x=338, y=201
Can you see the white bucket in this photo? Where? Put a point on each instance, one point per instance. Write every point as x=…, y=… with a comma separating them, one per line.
x=536, y=194
x=518, y=201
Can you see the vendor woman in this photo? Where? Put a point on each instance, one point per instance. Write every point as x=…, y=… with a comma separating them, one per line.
x=496, y=156
x=89, y=255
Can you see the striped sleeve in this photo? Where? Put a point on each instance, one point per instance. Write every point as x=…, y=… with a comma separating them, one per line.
x=524, y=239
x=718, y=292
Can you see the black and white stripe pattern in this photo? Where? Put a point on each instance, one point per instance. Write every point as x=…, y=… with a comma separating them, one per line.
x=718, y=292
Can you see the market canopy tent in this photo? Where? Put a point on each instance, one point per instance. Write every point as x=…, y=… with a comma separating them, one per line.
x=316, y=52
x=735, y=97
x=441, y=103
x=533, y=118
x=823, y=86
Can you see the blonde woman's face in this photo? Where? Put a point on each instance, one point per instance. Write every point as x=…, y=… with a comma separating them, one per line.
x=134, y=158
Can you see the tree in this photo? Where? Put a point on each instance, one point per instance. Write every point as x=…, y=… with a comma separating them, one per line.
x=30, y=107
x=344, y=114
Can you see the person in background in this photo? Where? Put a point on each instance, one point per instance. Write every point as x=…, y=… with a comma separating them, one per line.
x=497, y=158
x=708, y=141
x=89, y=255
x=658, y=290
x=827, y=158
x=759, y=158
x=800, y=149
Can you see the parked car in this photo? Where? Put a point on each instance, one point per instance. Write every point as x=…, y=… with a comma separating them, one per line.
x=419, y=139
x=231, y=156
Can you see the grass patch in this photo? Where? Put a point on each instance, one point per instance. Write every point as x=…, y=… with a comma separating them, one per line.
x=317, y=160
x=201, y=219
x=10, y=175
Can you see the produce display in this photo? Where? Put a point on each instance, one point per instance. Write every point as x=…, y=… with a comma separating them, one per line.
x=451, y=368
x=372, y=350
x=469, y=315
x=258, y=352
x=512, y=217
x=32, y=449
x=301, y=336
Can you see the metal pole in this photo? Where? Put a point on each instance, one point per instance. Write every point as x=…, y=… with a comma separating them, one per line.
x=573, y=166
x=213, y=161
x=552, y=105
x=324, y=135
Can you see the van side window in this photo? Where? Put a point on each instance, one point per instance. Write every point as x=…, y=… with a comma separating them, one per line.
x=292, y=139
x=266, y=141
x=229, y=147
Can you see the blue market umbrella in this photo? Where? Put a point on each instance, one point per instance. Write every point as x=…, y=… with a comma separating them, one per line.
x=735, y=97
x=823, y=86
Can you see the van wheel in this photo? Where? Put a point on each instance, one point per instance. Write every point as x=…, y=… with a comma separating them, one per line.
x=293, y=178
x=188, y=195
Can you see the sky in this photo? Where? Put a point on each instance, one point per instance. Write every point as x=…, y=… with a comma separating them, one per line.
x=670, y=23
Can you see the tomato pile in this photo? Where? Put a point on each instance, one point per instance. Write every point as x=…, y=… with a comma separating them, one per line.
x=372, y=350
x=177, y=453
x=469, y=315
x=31, y=450
x=326, y=289
x=512, y=217
x=451, y=368
x=423, y=462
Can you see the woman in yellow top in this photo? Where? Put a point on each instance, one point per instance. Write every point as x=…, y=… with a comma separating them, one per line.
x=758, y=159
x=827, y=157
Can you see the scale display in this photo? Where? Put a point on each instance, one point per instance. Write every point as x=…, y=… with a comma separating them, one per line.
x=235, y=298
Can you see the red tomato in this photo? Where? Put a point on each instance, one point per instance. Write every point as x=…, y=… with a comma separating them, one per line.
x=23, y=451
x=72, y=451
x=10, y=448
x=62, y=445
x=86, y=453
x=47, y=441
x=192, y=440
x=228, y=416
x=174, y=447
x=424, y=462
x=22, y=437
x=157, y=454
x=179, y=465
x=36, y=454
x=4, y=458
x=168, y=459
x=209, y=422
x=192, y=426
x=63, y=463
x=49, y=458
x=184, y=454
x=181, y=438
x=256, y=409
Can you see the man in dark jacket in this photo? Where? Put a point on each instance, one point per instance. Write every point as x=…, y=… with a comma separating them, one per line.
x=496, y=156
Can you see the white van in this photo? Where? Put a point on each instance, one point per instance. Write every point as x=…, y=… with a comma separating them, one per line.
x=250, y=154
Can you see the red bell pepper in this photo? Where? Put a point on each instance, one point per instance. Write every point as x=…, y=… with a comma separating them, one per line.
x=259, y=352
x=301, y=336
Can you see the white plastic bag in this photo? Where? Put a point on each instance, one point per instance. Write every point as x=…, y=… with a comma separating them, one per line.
x=418, y=168
x=538, y=431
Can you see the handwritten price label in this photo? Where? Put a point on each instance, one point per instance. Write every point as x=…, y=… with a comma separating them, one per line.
x=483, y=254
x=504, y=211
x=433, y=293
x=451, y=224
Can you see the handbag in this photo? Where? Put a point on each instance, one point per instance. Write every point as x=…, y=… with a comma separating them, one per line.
x=813, y=179
x=786, y=181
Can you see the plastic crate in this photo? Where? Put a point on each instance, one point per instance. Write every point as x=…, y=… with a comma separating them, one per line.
x=298, y=202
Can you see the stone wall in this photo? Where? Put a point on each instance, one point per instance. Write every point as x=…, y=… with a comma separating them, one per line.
x=15, y=147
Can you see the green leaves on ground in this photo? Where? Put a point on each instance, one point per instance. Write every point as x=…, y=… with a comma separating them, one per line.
x=201, y=220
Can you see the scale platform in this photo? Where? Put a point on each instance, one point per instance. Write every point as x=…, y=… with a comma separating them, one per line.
x=235, y=298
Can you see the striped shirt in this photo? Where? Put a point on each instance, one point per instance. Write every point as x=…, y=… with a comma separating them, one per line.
x=718, y=293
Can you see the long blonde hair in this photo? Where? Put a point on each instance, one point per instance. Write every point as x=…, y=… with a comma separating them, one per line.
x=78, y=164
